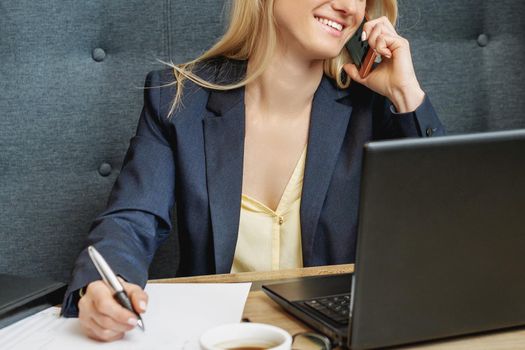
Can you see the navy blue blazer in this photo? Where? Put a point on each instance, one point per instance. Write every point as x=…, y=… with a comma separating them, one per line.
x=195, y=159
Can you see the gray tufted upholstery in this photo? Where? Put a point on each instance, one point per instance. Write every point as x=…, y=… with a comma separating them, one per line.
x=71, y=75
x=71, y=79
x=468, y=55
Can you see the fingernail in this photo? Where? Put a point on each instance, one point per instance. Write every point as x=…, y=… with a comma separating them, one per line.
x=363, y=36
x=142, y=305
x=132, y=321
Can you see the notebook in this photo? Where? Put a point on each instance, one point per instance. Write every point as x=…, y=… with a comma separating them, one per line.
x=24, y=296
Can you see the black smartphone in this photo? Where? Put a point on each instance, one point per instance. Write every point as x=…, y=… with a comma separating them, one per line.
x=362, y=55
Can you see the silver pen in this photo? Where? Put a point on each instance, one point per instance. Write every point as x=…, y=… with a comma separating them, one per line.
x=111, y=279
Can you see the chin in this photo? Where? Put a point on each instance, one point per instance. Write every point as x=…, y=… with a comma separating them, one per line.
x=326, y=54
x=324, y=50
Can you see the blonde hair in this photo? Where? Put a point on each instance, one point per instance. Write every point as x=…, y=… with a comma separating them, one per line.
x=252, y=34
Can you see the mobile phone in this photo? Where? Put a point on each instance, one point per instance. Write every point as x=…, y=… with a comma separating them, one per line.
x=362, y=55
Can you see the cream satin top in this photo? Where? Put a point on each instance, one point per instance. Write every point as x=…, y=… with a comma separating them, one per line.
x=271, y=240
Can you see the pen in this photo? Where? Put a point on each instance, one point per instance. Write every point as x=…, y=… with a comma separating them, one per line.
x=111, y=279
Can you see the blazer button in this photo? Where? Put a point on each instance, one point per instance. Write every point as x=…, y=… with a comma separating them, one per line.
x=483, y=40
x=430, y=131
x=104, y=169
x=98, y=54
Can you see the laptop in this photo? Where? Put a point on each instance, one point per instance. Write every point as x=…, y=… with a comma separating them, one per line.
x=441, y=245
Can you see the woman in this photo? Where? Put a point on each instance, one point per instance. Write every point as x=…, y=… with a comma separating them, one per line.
x=259, y=143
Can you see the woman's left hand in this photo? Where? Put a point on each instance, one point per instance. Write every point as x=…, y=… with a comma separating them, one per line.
x=394, y=77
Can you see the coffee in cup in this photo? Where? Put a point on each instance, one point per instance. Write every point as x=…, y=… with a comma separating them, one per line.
x=246, y=336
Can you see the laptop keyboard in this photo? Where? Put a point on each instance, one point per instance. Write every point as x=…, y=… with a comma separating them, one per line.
x=336, y=308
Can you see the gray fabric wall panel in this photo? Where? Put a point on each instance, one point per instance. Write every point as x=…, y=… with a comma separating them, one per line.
x=195, y=23
x=63, y=114
x=474, y=88
x=66, y=109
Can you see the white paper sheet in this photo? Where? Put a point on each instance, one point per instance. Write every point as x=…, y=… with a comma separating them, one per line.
x=177, y=315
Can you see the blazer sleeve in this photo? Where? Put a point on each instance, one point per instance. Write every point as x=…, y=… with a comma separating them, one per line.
x=138, y=214
x=388, y=124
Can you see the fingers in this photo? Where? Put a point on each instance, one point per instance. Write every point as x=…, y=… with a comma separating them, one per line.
x=382, y=47
x=386, y=44
x=139, y=298
x=376, y=40
x=93, y=330
x=383, y=22
x=105, y=304
x=376, y=32
x=102, y=317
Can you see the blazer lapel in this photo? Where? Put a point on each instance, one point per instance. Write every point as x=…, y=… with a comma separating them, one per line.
x=328, y=125
x=224, y=131
x=224, y=147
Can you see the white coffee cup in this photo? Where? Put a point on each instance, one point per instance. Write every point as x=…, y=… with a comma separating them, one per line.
x=246, y=334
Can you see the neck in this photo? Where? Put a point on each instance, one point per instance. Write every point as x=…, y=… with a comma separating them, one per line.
x=286, y=88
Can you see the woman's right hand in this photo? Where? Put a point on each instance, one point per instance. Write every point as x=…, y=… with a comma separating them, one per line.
x=102, y=317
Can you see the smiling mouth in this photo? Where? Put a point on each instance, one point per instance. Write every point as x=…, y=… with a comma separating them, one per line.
x=329, y=23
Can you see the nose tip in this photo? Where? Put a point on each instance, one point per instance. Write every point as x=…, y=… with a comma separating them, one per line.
x=345, y=7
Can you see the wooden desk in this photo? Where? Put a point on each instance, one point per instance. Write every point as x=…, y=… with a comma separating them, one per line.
x=260, y=308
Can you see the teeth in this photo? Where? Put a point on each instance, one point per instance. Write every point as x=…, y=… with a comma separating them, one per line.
x=329, y=23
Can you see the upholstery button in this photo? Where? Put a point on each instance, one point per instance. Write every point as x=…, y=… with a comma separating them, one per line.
x=430, y=131
x=104, y=169
x=483, y=40
x=98, y=54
